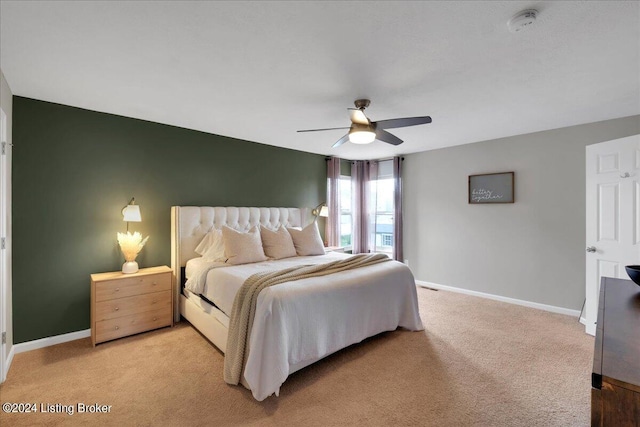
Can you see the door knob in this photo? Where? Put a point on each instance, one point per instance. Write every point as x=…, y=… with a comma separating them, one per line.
x=591, y=249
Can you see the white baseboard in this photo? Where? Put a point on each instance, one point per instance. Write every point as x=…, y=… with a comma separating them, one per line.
x=7, y=363
x=545, y=307
x=46, y=342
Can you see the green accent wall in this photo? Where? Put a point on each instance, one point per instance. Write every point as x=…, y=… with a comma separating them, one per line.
x=73, y=172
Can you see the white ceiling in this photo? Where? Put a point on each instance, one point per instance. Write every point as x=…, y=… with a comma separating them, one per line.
x=262, y=70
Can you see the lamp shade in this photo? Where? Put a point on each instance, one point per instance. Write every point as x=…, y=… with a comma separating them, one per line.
x=324, y=211
x=131, y=213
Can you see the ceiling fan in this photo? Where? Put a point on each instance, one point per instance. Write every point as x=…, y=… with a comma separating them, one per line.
x=364, y=131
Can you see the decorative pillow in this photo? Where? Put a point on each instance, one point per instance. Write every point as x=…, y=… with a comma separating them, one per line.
x=212, y=246
x=307, y=241
x=242, y=248
x=277, y=244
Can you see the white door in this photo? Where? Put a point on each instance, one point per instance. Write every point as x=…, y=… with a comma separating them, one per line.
x=613, y=215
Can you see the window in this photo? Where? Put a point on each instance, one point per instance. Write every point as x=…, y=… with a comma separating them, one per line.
x=382, y=190
x=374, y=189
x=345, y=212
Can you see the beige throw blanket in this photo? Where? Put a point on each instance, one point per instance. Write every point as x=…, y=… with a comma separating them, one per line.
x=244, y=305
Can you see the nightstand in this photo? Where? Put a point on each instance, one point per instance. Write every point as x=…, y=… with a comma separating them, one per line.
x=127, y=304
x=334, y=249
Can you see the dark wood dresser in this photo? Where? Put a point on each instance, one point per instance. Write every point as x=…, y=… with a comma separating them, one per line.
x=615, y=381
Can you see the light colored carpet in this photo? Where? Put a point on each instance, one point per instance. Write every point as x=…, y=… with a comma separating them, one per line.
x=478, y=363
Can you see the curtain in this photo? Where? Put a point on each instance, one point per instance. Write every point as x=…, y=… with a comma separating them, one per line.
x=332, y=230
x=363, y=176
x=397, y=208
x=372, y=204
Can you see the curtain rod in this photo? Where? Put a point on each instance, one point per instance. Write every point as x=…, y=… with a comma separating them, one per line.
x=377, y=160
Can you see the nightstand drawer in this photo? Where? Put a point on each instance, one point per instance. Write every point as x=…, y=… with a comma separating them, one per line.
x=111, y=289
x=131, y=305
x=128, y=325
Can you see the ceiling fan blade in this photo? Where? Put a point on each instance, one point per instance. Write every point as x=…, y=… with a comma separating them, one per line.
x=403, y=122
x=319, y=130
x=385, y=136
x=358, y=116
x=341, y=141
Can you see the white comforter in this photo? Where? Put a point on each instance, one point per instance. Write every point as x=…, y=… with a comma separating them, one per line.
x=298, y=323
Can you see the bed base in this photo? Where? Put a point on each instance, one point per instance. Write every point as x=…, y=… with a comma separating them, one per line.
x=207, y=324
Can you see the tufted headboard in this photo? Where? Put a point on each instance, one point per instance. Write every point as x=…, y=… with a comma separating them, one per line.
x=189, y=224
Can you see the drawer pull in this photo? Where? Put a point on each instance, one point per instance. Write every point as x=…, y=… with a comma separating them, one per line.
x=117, y=289
x=155, y=318
x=117, y=327
x=116, y=309
x=154, y=283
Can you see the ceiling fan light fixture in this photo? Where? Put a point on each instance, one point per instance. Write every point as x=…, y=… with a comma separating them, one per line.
x=362, y=137
x=361, y=134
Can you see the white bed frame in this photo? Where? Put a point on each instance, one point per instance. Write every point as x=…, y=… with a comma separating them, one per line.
x=189, y=224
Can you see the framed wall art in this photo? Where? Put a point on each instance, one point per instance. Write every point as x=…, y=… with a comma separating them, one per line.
x=491, y=188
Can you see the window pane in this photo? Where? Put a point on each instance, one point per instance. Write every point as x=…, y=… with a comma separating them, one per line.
x=345, y=210
x=345, y=230
x=383, y=195
x=345, y=194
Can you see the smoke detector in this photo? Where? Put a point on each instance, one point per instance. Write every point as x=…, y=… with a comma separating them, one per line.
x=522, y=20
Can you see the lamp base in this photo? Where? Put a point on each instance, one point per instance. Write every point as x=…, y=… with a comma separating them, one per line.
x=130, y=267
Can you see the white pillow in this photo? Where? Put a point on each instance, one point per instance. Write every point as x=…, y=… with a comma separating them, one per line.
x=307, y=241
x=211, y=247
x=205, y=243
x=277, y=244
x=242, y=248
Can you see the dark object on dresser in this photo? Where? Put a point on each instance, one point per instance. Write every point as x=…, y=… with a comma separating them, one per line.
x=615, y=381
x=634, y=272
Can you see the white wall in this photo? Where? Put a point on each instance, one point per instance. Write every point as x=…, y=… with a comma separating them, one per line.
x=6, y=102
x=532, y=250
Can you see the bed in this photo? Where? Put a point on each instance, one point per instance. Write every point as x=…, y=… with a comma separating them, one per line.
x=296, y=323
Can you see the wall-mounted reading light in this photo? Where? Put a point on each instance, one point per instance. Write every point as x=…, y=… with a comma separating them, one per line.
x=131, y=244
x=131, y=212
x=320, y=210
